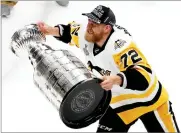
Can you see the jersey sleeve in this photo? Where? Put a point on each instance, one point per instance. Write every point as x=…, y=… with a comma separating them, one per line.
x=69, y=33
x=140, y=85
x=131, y=63
x=137, y=74
x=136, y=77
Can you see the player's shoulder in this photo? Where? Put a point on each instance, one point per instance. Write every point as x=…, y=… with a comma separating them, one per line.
x=119, y=40
x=78, y=29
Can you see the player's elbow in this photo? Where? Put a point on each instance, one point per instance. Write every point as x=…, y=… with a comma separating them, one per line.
x=135, y=80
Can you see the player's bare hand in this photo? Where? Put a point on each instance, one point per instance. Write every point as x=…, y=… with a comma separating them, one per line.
x=109, y=81
x=44, y=28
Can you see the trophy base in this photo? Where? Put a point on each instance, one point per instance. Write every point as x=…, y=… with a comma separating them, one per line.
x=84, y=104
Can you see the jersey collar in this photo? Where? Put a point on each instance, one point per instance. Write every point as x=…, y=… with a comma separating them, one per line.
x=97, y=49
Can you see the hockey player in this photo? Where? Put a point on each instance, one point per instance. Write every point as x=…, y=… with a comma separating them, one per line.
x=110, y=50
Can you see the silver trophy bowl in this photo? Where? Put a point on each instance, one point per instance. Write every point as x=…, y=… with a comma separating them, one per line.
x=62, y=78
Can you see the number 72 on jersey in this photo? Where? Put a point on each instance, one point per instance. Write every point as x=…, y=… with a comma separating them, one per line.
x=128, y=58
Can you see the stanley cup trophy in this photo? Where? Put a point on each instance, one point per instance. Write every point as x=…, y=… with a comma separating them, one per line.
x=65, y=81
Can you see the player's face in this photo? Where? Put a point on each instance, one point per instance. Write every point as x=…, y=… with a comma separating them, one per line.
x=94, y=32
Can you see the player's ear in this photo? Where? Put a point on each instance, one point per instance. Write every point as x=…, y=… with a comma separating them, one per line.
x=108, y=28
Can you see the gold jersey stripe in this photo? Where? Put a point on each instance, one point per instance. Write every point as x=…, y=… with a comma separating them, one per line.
x=132, y=114
x=166, y=117
x=136, y=96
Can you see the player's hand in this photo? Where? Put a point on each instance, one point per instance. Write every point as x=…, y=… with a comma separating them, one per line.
x=109, y=81
x=44, y=28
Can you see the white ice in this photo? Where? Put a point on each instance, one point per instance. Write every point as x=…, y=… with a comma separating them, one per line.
x=155, y=26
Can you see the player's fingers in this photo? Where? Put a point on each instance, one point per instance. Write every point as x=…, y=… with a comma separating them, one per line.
x=104, y=78
x=106, y=88
x=105, y=82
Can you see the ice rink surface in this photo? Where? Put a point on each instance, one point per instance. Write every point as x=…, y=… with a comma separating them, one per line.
x=155, y=26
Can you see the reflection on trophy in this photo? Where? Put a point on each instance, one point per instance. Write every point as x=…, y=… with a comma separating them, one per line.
x=63, y=79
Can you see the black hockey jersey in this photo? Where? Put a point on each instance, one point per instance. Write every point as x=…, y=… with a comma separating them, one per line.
x=141, y=91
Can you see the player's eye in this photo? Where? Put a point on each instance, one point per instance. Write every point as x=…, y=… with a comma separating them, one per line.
x=93, y=24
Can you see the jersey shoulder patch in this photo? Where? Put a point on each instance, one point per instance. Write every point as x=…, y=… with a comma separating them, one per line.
x=119, y=41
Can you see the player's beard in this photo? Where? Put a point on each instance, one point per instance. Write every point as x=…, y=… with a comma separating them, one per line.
x=90, y=36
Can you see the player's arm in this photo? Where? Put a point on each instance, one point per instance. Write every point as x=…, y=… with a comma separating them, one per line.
x=138, y=80
x=133, y=69
x=136, y=77
x=65, y=33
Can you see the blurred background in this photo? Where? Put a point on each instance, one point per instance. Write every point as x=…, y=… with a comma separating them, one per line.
x=154, y=25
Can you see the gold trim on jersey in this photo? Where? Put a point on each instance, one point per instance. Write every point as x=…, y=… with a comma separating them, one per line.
x=152, y=80
x=130, y=115
x=74, y=34
x=120, y=63
x=144, y=73
x=165, y=118
x=137, y=94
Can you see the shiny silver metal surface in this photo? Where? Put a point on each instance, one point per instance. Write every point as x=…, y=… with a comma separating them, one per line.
x=55, y=71
x=63, y=2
